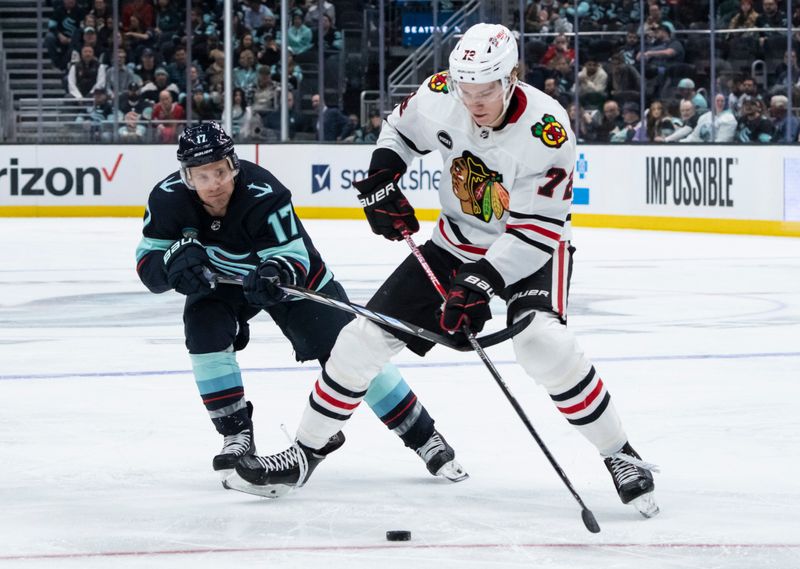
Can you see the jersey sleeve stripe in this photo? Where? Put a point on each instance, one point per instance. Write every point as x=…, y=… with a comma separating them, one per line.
x=539, y=245
x=553, y=220
x=537, y=229
x=463, y=247
x=411, y=145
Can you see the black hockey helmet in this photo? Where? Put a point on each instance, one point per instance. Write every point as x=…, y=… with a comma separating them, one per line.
x=203, y=144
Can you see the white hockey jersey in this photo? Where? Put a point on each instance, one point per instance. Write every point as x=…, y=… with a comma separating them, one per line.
x=505, y=192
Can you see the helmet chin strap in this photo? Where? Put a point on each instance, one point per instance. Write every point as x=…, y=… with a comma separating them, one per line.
x=506, y=102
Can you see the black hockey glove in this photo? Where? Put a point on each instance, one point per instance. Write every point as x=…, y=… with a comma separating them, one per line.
x=184, y=262
x=468, y=299
x=261, y=285
x=387, y=209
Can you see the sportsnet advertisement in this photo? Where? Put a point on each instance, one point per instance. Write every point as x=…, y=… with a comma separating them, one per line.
x=646, y=185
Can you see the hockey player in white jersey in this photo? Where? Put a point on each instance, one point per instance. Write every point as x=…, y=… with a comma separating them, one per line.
x=504, y=230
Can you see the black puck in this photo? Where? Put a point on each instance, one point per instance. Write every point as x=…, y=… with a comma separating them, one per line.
x=398, y=535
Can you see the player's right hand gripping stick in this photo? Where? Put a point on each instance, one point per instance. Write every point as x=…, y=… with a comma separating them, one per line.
x=385, y=206
x=262, y=285
x=467, y=301
x=184, y=262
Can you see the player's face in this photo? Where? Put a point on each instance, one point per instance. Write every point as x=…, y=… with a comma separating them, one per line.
x=484, y=102
x=214, y=183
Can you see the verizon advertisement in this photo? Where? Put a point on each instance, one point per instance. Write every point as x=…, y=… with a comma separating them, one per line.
x=717, y=182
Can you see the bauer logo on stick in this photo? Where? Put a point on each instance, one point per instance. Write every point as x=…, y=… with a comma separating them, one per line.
x=550, y=131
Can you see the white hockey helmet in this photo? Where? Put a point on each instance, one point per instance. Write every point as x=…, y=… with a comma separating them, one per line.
x=485, y=53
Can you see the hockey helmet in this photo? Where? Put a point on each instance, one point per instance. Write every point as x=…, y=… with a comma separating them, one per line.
x=203, y=144
x=485, y=53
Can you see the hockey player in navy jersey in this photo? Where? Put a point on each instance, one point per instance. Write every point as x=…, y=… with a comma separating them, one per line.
x=230, y=216
x=504, y=230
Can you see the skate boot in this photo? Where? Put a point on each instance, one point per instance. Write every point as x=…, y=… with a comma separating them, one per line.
x=275, y=475
x=633, y=480
x=234, y=447
x=440, y=458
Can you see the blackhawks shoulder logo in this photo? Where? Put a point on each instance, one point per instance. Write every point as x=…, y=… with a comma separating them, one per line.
x=438, y=83
x=550, y=131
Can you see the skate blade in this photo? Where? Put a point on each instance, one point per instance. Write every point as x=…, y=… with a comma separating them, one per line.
x=224, y=475
x=452, y=471
x=236, y=482
x=646, y=505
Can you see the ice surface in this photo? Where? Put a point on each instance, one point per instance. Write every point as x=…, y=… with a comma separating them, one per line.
x=106, y=449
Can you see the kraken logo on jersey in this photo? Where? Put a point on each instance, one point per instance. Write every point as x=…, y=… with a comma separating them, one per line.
x=550, y=131
x=479, y=188
x=438, y=83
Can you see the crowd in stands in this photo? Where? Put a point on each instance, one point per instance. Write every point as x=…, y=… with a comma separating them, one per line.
x=752, y=102
x=155, y=76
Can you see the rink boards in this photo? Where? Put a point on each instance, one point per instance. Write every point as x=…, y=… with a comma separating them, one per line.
x=719, y=188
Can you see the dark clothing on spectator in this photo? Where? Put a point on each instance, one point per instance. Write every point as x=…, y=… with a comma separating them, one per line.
x=759, y=129
x=128, y=104
x=792, y=123
x=601, y=130
x=334, y=122
x=63, y=22
x=86, y=76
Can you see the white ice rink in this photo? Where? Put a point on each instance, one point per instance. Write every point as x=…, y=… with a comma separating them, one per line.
x=105, y=447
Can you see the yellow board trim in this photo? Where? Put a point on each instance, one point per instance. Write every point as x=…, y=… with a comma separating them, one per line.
x=690, y=224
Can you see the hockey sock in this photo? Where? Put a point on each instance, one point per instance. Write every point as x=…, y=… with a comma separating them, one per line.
x=220, y=384
x=392, y=400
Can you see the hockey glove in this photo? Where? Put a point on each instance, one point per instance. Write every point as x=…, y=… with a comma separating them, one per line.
x=262, y=285
x=387, y=209
x=184, y=262
x=468, y=299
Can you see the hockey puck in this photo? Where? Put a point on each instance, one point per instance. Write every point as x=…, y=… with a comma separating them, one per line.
x=398, y=535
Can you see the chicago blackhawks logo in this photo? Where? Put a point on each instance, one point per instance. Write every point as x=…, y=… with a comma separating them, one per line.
x=550, y=131
x=480, y=189
x=438, y=83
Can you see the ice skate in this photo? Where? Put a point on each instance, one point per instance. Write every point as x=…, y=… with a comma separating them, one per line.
x=440, y=458
x=633, y=480
x=234, y=447
x=275, y=475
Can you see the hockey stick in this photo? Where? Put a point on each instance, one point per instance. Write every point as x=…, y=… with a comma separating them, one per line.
x=586, y=514
x=377, y=317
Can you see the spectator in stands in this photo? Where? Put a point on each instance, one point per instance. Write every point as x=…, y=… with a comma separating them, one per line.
x=144, y=12
x=196, y=79
x=783, y=120
x=87, y=36
x=272, y=119
x=653, y=23
x=563, y=73
x=168, y=23
x=724, y=124
x=581, y=126
x=628, y=13
x=689, y=117
x=560, y=46
x=293, y=70
x=369, y=133
x=132, y=101
x=86, y=75
x=746, y=17
x=772, y=17
x=780, y=85
x=686, y=90
x=62, y=25
x=592, y=83
x=552, y=88
x=631, y=122
x=203, y=106
x=216, y=71
x=241, y=115
x=312, y=12
x=167, y=117
x=245, y=75
x=334, y=122
x=245, y=42
x=658, y=124
x=139, y=37
x=132, y=129
x=747, y=87
x=254, y=13
x=146, y=68
x=267, y=29
x=664, y=51
x=624, y=77
x=266, y=93
x=271, y=53
x=118, y=83
x=152, y=91
x=101, y=12
x=177, y=69
x=753, y=125
x=331, y=37
x=298, y=36
x=606, y=123
x=97, y=115
x=630, y=50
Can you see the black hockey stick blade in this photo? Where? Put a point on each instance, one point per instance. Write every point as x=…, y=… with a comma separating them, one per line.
x=452, y=342
x=589, y=521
